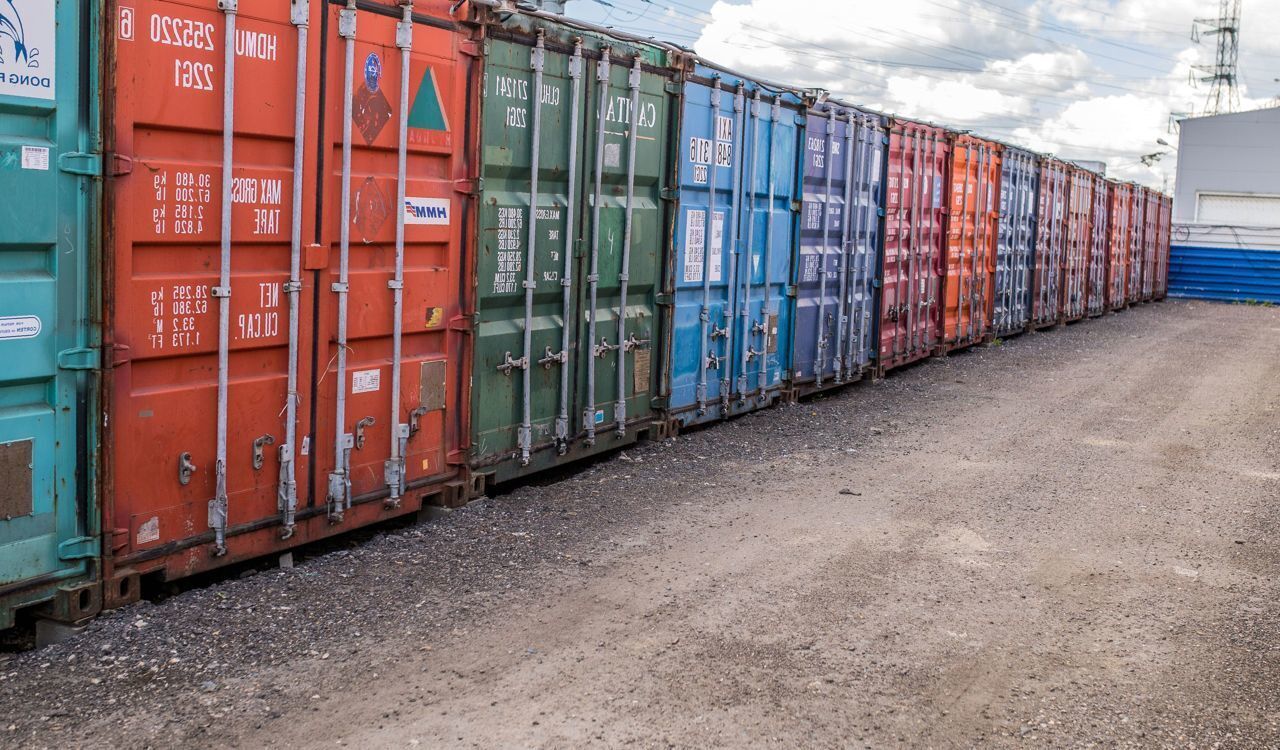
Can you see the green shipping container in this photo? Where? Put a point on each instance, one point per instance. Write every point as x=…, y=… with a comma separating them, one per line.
x=49, y=240
x=583, y=121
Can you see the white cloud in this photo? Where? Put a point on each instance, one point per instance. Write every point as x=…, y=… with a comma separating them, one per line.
x=1013, y=75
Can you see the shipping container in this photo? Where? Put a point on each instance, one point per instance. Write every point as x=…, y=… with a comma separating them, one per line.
x=969, y=278
x=914, y=238
x=1150, y=243
x=1015, y=255
x=288, y=350
x=1137, y=244
x=1051, y=243
x=1119, y=199
x=730, y=338
x=50, y=156
x=1096, y=288
x=837, y=271
x=1162, y=250
x=570, y=311
x=1075, y=262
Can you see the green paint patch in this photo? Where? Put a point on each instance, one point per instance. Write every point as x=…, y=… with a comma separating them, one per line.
x=427, y=112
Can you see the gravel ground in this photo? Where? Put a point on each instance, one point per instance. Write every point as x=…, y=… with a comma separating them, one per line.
x=1062, y=541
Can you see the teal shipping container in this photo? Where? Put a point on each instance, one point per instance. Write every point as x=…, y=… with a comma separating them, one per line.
x=49, y=161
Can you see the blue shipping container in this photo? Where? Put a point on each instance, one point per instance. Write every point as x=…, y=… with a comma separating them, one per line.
x=731, y=338
x=1015, y=256
x=49, y=154
x=838, y=268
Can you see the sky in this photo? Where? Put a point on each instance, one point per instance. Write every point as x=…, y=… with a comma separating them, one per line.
x=1083, y=79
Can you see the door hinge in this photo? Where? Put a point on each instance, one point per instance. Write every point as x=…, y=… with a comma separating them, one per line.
x=469, y=187
x=81, y=163
x=78, y=359
x=670, y=194
x=79, y=548
x=663, y=298
x=658, y=402
x=791, y=290
x=674, y=88
x=802, y=120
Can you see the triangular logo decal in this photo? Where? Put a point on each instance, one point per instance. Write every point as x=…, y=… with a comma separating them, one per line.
x=427, y=112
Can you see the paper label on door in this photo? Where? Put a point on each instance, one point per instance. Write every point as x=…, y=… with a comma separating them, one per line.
x=35, y=157
x=366, y=381
x=148, y=531
x=695, y=234
x=28, y=43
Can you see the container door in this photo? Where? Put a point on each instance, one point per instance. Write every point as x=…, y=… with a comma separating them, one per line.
x=1015, y=254
x=624, y=174
x=969, y=240
x=47, y=145
x=203, y=241
x=864, y=232
x=821, y=239
x=762, y=343
x=708, y=145
x=526, y=268
x=389, y=397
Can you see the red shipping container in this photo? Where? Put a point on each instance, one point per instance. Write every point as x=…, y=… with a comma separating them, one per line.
x=1051, y=244
x=1119, y=199
x=1150, y=244
x=221, y=425
x=973, y=219
x=915, y=230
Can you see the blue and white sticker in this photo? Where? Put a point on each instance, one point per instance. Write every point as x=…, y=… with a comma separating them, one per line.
x=372, y=72
x=599, y=416
x=431, y=211
x=20, y=326
x=28, y=36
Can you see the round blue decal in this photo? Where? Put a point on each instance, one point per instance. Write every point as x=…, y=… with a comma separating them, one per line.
x=372, y=71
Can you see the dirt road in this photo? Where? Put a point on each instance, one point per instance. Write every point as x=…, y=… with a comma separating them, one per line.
x=1067, y=540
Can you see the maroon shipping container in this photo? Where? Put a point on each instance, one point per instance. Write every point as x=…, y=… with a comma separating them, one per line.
x=245, y=293
x=1119, y=198
x=915, y=233
x=1075, y=259
x=1051, y=244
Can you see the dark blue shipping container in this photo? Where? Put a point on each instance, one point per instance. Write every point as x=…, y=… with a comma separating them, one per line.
x=838, y=264
x=731, y=339
x=1015, y=254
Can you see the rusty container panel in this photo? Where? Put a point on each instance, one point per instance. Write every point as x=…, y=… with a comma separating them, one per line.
x=1119, y=196
x=1165, y=230
x=192, y=486
x=969, y=282
x=1051, y=243
x=914, y=239
x=1096, y=285
x=1150, y=243
x=1137, y=243
x=1015, y=259
x=1075, y=262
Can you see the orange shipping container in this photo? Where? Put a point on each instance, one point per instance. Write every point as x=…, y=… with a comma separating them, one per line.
x=972, y=233
x=245, y=294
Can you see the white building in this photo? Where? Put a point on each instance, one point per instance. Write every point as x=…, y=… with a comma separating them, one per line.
x=1226, y=208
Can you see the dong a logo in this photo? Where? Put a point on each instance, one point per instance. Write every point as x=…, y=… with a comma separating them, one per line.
x=27, y=29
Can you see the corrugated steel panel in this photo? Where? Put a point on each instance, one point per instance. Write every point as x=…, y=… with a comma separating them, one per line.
x=1137, y=244
x=973, y=218
x=914, y=238
x=50, y=152
x=199, y=311
x=1096, y=287
x=569, y=322
x=1076, y=261
x=838, y=265
x=1225, y=263
x=1051, y=243
x=1015, y=257
x=731, y=334
x=1162, y=258
x=1119, y=228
